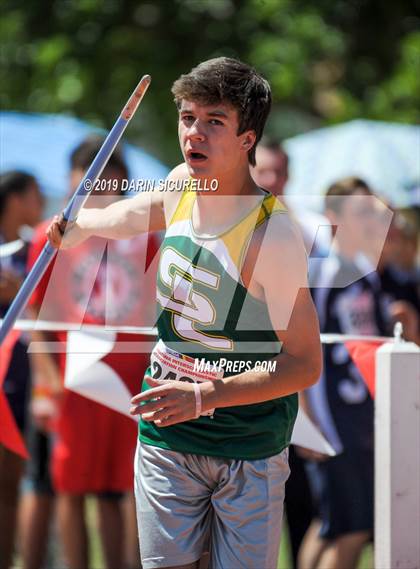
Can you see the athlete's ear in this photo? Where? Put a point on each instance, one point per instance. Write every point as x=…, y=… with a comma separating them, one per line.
x=248, y=139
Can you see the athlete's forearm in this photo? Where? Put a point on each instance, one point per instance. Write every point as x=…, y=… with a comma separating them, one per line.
x=111, y=222
x=169, y=402
x=291, y=375
x=89, y=222
x=119, y=220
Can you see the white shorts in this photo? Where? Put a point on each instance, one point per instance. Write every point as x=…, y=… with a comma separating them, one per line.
x=186, y=502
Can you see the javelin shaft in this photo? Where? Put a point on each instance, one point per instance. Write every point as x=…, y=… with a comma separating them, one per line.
x=73, y=207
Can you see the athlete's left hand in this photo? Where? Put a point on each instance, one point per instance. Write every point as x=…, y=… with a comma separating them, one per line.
x=167, y=403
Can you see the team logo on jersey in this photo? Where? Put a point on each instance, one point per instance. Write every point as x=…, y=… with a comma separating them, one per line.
x=189, y=307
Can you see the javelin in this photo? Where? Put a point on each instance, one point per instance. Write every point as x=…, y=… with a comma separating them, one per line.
x=73, y=207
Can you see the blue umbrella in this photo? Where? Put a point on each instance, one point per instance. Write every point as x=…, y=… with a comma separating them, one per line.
x=41, y=145
x=385, y=155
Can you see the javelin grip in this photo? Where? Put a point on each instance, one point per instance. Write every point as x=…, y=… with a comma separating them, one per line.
x=75, y=204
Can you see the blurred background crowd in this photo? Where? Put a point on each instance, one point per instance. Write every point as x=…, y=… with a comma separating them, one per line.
x=342, y=150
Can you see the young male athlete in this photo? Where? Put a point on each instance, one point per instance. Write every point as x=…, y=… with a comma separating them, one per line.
x=232, y=297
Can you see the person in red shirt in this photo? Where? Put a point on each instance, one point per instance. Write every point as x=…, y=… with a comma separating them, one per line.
x=101, y=282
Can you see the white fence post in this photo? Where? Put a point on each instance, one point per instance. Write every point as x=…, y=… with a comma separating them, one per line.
x=397, y=456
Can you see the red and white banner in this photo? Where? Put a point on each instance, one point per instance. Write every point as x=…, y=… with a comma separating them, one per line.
x=107, y=367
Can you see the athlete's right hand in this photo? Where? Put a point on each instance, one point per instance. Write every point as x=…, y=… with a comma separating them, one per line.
x=64, y=234
x=55, y=231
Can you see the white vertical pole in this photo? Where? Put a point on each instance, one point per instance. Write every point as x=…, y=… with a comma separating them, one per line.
x=397, y=456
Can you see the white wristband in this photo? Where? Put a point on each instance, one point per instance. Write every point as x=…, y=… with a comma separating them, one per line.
x=197, y=394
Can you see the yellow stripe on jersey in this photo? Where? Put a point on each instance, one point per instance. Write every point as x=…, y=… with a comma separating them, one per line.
x=184, y=207
x=237, y=239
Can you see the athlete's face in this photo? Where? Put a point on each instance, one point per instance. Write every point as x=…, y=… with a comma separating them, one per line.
x=209, y=141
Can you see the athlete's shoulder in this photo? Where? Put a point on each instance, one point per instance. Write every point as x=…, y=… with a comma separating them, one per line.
x=277, y=228
x=277, y=251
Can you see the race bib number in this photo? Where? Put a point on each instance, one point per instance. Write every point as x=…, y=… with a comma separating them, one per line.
x=169, y=364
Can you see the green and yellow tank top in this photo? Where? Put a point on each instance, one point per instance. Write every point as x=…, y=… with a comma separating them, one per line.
x=208, y=319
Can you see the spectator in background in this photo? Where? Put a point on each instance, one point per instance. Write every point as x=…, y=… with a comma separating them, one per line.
x=271, y=170
x=21, y=204
x=97, y=283
x=271, y=173
x=349, y=300
x=399, y=272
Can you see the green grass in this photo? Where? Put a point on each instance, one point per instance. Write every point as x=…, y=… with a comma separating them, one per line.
x=285, y=553
x=366, y=560
x=95, y=551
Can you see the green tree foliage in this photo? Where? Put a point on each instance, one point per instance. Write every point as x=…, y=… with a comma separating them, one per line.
x=327, y=61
